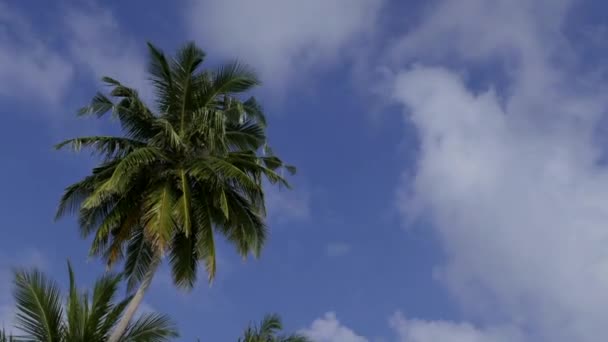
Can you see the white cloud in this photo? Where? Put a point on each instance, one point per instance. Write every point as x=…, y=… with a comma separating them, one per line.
x=285, y=205
x=97, y=42
x=282, y=38
x=443, y=331
x=329, y=329
x=335, y=249
x=511, y=181
x=29, y=69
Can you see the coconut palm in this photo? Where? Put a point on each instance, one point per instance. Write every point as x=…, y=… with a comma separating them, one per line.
x=268, y=331
x=181, y=172
x=5, y=337
x=85, y=317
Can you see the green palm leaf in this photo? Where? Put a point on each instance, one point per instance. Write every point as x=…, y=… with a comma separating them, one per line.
x=39, y=310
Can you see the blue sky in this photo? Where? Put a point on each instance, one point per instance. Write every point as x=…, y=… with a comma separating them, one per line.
x=452, y=183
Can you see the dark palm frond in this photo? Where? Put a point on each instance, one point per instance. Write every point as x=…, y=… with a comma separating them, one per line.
x=162, y=79
x=255, y=111
x=183, y=259
x=140, y=255
x=246, y=135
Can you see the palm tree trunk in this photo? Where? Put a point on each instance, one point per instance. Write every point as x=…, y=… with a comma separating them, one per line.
x=131, y=309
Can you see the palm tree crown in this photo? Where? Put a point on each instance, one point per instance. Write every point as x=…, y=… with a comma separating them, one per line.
x=268, y=331
x=85, y=317
x=189, y=168
x=177, y=175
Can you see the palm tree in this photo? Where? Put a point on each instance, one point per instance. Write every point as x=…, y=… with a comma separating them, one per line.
x=84, y=318
x=177, y=175
x=267, y=332
x=4, y=337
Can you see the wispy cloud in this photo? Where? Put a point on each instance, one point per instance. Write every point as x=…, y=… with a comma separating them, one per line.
x=38, y=71
x=336, y=249
x=98, y=43
x=29, y=69
x=283, y=39
x=285, y=205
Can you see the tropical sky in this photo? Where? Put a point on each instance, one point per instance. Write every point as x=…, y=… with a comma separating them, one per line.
x=452, y=182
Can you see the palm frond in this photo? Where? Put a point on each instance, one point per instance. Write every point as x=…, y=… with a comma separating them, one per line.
x=162, y=79
x=107, y=146
x=39, y=310
x=140, y=255
x=247, y=135
x=151, y=327
x=157, y=218
x=254, y=110
x=183, y=259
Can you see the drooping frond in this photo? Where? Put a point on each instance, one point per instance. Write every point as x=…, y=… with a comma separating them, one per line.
x=140, y=254
x=270, y=325
x=151, y=328
x=106, y=146
x=246, y=135
x=157, y=218
x=254, y=110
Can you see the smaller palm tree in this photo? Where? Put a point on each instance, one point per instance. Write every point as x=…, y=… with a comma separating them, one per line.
x=85, y=317
x=4, y=337
x=268, y=331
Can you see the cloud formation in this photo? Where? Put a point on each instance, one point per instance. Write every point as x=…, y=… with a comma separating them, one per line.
x=282, y=38
x=512, y=181
x=329, y=329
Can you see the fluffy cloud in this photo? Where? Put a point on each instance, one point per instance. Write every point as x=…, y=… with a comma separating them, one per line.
x=442, y=331
x=329, y=329
x=29, y=69
x=512, y=182
x=282, y=38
